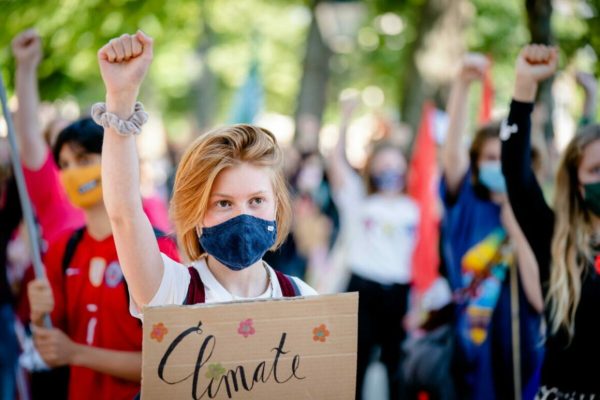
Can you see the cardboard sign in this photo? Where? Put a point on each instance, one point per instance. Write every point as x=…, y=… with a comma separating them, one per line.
x=301, y=348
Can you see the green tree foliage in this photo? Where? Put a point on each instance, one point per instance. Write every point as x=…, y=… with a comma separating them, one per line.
x=73, y=30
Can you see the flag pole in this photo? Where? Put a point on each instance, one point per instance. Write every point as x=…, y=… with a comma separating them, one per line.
x=34, y=244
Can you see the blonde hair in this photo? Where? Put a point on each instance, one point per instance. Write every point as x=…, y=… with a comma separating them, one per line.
x=206, y=157
x=573, y=234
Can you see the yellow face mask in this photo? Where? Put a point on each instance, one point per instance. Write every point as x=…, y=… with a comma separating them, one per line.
x=83, y=185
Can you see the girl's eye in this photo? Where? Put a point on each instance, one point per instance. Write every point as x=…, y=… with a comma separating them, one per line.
x=223, y=203
x=83, y=159
x=257, y=201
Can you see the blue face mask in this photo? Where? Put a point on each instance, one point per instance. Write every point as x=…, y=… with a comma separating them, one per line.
x=239, y=242
x=388, y=180
x=490, y=175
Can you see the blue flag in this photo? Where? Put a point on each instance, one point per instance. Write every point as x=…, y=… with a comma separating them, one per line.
x=249, y=97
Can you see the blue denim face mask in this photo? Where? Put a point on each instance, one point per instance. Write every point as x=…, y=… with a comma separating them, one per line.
x=490, y=175
x=239, y=242
x=388, y=180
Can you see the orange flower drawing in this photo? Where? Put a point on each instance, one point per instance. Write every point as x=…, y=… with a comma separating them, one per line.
x=158, y=332
x=320, y=333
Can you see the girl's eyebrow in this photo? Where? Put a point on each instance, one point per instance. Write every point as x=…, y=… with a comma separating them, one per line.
x=230, y=197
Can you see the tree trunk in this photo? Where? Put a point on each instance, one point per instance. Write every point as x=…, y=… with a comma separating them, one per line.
x=539, y=13
x=433, y=56
x=205, y=88
x=313, y=89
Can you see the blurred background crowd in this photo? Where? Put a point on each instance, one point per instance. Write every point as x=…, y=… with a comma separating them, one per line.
x=386, y=109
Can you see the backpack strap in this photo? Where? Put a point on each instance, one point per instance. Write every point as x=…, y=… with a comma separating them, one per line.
x=76, y=237
x=70, y=248
x=195, y=293
x=289, y=288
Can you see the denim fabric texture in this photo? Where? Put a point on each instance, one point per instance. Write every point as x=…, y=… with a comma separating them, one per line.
x=9, y=357
x=239, y=242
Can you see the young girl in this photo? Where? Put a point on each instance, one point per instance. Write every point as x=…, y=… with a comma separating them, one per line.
x=230, y=204
x=565, y=241
x=380, y=223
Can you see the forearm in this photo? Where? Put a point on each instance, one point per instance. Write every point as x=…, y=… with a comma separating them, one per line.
x=120, y=164
x=32, y=146
x=528, y=268
x=533, y=216
x=589, y=106
x=454, y=156
x=121, y=364
x=134, y=239
x=338, y=165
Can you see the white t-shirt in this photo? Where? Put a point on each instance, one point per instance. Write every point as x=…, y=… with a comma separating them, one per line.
x=176, y=279
x=381, y=233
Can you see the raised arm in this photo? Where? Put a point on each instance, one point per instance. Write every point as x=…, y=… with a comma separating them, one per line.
x=455, y=158
x=536, y=220
x=527, y=265
x=590, y=87
x=339, y=170
x=124, y=62
x=27, y=49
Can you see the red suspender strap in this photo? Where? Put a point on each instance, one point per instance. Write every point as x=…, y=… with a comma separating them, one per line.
x=195, y=293
x=288, y=286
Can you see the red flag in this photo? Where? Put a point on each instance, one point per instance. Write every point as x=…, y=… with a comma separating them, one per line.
x=423, y=188
x=487, y=95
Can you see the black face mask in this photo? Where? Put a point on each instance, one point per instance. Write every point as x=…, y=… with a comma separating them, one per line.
x=591, y=197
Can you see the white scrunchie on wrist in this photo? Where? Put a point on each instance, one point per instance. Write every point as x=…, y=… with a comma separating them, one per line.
x=131, y=126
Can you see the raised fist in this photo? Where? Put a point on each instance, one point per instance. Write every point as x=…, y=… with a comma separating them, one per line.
x=536, y=63
x=124, y=62
x=27, y=48
x=473, y=67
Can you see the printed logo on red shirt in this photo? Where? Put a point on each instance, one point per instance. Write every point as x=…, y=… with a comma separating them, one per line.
x=113, y=275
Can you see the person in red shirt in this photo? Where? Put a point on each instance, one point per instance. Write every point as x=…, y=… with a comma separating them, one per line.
x=54, y=213
x=87, y=297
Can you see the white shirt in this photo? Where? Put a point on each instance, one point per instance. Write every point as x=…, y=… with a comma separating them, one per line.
x=176, y=279
x=381, y=233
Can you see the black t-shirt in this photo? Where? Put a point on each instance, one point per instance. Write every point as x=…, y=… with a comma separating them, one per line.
x=566, y=365
x=10, y=216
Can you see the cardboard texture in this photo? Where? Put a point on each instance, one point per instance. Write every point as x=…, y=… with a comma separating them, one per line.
x=300, y=348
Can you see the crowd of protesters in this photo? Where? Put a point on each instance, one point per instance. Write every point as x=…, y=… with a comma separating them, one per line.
x=508, y=311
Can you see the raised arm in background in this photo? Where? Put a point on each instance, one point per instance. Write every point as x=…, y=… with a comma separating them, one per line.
x=590, y=87
x=529, y=271
x=27, y=49
x=124, y=62
x=455, y=157
x=339, y=169
x=534, y=64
